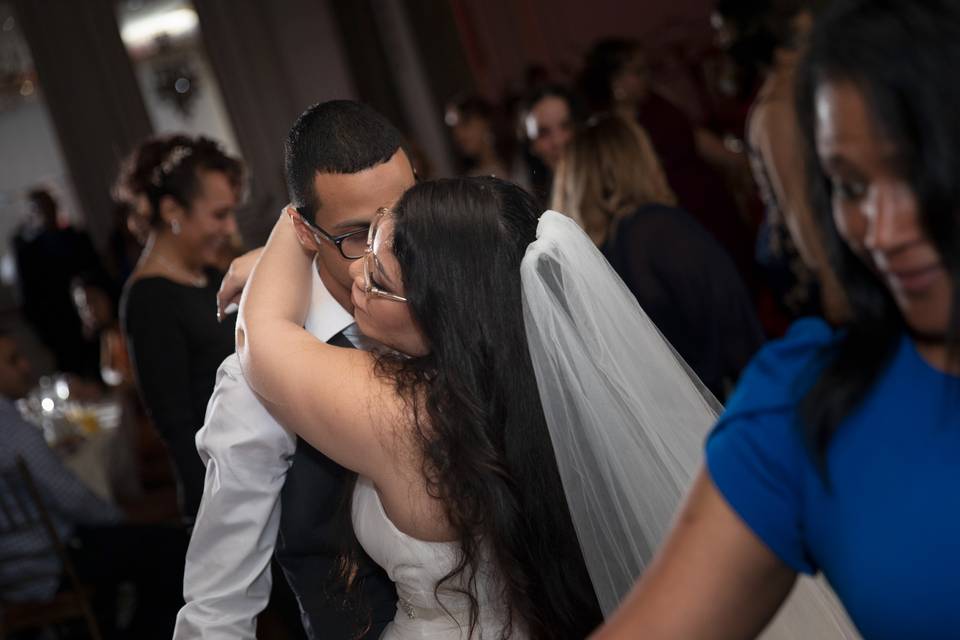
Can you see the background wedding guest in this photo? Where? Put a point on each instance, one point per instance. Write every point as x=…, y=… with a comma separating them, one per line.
x=49, y=255
x=549, y=118
x=616, y=77
x=105, y=551
x=476, y=137
x=770, y=34
x=611, y=181
x=188, y=189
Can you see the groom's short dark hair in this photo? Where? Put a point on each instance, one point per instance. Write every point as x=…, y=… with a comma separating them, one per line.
x=338, y=136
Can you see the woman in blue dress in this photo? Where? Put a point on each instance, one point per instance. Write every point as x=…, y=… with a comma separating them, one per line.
x=840, y=451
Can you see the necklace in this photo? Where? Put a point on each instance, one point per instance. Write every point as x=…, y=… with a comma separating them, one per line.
x=195, y=281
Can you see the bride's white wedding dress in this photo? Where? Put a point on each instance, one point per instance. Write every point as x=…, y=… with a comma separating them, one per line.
x=627, y=421
x=416, y=567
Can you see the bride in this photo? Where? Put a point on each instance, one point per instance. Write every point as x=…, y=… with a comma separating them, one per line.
x=523, y=441
x=459, y=496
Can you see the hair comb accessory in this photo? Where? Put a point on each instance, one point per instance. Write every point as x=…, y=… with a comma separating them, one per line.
x=174, y=157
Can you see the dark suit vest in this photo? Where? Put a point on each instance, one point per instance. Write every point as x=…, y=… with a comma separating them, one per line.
x=315, y=530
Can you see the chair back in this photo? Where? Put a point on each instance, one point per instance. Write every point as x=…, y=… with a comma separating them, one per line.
x=23, y=513
x=22, y=516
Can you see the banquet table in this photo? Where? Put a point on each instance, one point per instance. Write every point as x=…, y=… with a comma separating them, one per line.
x=94, y=438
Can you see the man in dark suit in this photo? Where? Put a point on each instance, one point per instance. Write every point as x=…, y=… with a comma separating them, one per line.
x=49, y=256
x=264, y=487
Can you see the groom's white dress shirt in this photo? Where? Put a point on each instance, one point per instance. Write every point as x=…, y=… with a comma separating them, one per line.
x=247, y=453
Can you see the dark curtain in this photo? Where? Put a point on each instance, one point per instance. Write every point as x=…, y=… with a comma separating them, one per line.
x=91, y=93
x=272, y=60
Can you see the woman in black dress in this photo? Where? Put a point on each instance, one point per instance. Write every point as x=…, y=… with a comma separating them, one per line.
x=187, y=188
x=610, y=180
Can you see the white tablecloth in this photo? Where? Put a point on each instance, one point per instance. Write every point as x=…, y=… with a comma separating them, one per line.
x=105, y=461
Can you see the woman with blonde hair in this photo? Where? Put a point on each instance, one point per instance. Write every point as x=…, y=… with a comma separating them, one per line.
x=610, y=180
x=627, y=175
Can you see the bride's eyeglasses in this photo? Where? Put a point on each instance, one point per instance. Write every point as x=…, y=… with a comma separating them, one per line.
x=372, y=264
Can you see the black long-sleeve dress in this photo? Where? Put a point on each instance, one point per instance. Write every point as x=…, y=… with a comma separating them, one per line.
x=690, y=288
x=176, y=346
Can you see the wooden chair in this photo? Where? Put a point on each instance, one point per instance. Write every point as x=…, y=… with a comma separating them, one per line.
x=16, y=516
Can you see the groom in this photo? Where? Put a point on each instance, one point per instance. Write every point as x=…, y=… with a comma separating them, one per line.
x=266, y=489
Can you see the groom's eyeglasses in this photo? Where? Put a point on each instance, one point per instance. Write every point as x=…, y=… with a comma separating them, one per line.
x=351, y=245
x=371, y=262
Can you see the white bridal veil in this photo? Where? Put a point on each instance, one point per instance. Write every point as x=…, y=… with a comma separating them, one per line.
x=627, y=419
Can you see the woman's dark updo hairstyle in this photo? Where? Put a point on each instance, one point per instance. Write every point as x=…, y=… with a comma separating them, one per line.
x=604, y=61
x=479, y=423
x=470, y=106
x=542, y=92
x=900, y=54
x=171, y=166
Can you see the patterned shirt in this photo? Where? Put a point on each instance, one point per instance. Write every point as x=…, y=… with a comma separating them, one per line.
x=68, y=501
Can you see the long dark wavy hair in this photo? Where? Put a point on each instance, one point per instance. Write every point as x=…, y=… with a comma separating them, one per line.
x=477, y=414
x=900, y=54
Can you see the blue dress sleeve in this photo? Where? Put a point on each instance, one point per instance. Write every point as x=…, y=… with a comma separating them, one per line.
x=756, y=456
